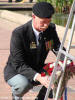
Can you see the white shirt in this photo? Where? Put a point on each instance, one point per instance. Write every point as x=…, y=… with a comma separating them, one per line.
x=36, y=34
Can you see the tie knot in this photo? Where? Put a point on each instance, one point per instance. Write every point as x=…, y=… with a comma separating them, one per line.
x=40, y=37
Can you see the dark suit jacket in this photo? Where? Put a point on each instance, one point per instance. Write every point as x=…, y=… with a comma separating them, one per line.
x=25, y=56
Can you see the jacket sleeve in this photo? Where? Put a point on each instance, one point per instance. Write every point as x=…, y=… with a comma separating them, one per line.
x=17, y=55
x=57, y=44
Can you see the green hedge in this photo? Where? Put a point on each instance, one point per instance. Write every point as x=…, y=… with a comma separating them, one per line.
x=60, y=5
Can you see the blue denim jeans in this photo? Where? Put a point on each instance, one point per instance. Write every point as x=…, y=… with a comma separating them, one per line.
x=20, y=85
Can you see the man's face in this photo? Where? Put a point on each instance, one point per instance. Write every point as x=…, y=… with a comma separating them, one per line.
x=40, y=24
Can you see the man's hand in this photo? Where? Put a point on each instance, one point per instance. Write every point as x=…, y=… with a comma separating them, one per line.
x=74, y=62
x=43, y=80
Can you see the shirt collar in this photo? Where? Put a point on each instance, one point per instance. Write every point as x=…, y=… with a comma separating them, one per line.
x=35, y=31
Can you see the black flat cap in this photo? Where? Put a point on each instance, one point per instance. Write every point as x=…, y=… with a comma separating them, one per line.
x=43, y=10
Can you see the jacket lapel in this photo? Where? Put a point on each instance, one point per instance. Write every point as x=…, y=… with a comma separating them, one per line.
x=31, y=36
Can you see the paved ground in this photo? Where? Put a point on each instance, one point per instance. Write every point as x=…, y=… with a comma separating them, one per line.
x=6, y=28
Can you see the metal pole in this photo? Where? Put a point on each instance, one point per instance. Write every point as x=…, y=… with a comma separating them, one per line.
x=65, y=60
x=54, y=70
x=65, y=94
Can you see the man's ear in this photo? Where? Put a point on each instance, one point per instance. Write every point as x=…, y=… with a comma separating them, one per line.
x=33, y=16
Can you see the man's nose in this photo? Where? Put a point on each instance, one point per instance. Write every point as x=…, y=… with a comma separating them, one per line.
x=45, y=25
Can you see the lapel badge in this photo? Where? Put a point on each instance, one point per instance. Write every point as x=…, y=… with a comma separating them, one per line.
x=49, y=45
x=32, y=45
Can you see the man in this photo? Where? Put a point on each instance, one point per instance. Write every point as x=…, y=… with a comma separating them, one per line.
x=28, y=52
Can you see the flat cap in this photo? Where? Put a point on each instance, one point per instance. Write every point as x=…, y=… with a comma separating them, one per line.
x=43, y=10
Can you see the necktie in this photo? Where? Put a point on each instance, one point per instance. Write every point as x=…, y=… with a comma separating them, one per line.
x=40, y=37
x=39, y=48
